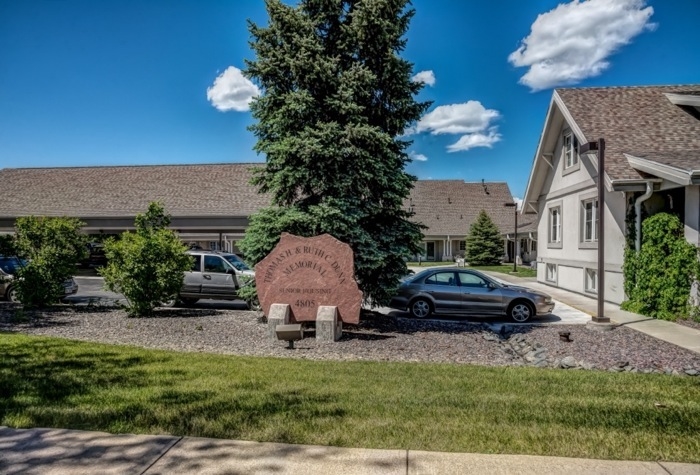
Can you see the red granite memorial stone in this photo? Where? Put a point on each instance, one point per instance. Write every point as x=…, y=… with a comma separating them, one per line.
x=307, y=273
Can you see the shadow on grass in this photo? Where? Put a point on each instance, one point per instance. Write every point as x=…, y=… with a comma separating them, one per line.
x=68, y=384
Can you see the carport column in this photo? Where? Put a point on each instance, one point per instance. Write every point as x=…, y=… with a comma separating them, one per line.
x=279, y=315
x=328, y=326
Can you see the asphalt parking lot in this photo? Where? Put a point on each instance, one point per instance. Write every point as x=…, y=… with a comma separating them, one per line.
x=90, y=290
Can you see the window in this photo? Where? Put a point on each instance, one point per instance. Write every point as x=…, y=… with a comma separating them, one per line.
x=589, y=214
x=551, y=273
x=533, y=246
x=214, y=264
x=462, y=245
x=471, y=280
x=591, y=284
x=214, y=246
x=196, y=263
x=555, y=224
x=570, y=150
x=441, y=278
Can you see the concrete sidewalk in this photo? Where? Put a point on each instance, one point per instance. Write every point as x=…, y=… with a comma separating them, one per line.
x=685, y=337
x=59, y=451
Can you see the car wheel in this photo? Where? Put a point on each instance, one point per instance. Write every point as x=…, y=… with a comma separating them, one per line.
x=521, y=311
x=170, y=303
x=421, y=308
x=189, y=301
x=254, y=305
x=12, y=295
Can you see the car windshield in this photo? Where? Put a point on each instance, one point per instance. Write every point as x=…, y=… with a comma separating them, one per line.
x=236, y=262
x=9, y=265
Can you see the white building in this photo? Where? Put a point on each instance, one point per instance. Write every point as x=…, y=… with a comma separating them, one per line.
x=652, y=164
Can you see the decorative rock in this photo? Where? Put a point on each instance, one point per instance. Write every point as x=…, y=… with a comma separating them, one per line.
x=568, y=362
x=691, y=372
x=278, y=315
x=307, y=273
x=328, y=326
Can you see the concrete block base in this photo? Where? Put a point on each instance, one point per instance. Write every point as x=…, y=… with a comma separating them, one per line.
x=279, y=315
x=601, y=327
x=328, y=326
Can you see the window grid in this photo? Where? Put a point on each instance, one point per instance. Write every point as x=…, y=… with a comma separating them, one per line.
x=570, y=150
x=551, y=272
x=555, y=225
x=591, y=281
x=590, y=220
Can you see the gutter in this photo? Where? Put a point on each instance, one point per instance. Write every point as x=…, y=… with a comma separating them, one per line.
x=638, y=215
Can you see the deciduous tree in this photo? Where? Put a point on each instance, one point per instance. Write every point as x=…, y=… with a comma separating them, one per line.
x=50, y=248
x=146, y=266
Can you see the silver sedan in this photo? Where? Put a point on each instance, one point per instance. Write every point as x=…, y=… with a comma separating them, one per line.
x=455, y=290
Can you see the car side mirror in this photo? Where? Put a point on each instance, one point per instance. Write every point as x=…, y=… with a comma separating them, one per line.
x=231, y=271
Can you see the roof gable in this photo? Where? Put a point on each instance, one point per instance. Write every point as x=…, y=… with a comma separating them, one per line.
x=640, y=121
x=449, y=207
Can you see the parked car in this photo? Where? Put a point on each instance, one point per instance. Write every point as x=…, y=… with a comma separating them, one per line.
x=456, y=290
x=8, y=269
x=95, y=256
x=214, y=275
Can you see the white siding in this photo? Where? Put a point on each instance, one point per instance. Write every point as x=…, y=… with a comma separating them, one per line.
x=567, y=189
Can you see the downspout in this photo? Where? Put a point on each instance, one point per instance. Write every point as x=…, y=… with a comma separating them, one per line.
x=638, y=216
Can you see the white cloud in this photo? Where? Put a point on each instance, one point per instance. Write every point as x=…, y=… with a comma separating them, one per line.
x=469, y=141
x=519, y=202
x=465, y=118
x=426, y=77
x=573, y=41
x=232, y=91
x=418, y=157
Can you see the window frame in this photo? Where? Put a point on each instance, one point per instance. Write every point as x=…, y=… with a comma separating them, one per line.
x=553, y=243
x=570, y=152
x=554, y=273
x=583, y=242
x=587, y=271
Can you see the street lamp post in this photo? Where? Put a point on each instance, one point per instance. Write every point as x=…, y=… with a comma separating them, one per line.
x=599, y=147
x=515, y=236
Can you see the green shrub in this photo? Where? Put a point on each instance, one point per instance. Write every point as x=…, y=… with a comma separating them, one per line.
x=146, y=266
x=658, y=278
x=51, y=246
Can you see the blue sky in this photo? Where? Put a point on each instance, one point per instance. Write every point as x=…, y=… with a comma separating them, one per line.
x=85, y=83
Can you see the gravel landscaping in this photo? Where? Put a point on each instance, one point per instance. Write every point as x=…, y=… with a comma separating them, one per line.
x=377, y=338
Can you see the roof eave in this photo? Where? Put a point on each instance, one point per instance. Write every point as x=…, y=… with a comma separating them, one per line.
x=667, y=172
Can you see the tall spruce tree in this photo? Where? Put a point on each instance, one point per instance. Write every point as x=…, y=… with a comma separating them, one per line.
x=484, y=243
x=336, y=98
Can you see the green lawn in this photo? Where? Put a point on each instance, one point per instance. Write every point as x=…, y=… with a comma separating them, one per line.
x=49, y=382
x=522, y=271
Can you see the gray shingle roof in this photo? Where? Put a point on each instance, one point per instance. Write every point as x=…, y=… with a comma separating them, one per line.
x=640, y=121
x=449, y=207
x=185, y=190
x=446, y=206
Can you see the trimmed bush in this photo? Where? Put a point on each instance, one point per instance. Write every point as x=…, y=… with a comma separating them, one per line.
x=147, y=266
x=658, y=278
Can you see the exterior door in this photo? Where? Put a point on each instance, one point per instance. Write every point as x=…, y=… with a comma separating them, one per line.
x=192, y=284
x=430, y=250
x=216, y=279
x=443, y=287
x=477, y=297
